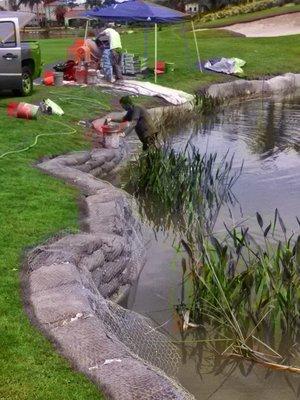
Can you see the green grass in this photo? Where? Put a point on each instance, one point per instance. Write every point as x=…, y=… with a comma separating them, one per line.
x=264, y=56
x=34, y=207
x=249, y=17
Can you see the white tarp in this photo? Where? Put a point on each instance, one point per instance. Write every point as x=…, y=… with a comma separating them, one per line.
x=172, y=96
x=226, y=65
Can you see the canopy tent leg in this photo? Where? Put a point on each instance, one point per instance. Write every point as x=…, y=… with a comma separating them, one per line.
x=197, y=49
x=155, y=53
x=86, y=29
x=146, y=42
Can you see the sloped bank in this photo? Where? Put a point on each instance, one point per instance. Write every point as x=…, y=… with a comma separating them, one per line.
x=71, y=284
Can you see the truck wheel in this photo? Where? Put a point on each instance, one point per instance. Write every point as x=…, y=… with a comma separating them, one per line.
x=27, y=83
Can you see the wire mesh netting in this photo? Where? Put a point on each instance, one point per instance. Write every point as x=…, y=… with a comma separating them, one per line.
x=71, y=282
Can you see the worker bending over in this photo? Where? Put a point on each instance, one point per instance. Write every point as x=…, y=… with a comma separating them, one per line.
x=140, y=120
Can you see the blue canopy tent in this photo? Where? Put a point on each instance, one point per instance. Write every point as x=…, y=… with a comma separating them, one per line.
x=141, y=11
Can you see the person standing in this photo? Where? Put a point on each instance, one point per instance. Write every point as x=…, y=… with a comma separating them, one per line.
x=115, y=47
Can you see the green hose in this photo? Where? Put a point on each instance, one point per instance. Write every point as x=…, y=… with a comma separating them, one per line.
x=70, y=132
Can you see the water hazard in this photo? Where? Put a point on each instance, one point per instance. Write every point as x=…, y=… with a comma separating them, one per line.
x=265, y=135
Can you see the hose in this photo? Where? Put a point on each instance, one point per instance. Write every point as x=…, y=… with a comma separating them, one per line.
x=71, y=131
x=73, y=99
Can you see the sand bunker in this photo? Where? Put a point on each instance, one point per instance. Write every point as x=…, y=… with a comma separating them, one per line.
x=281, y=25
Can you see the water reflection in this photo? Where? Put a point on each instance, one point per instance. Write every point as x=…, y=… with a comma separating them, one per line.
x=211, y=376
x=266, y=135
x=268, y=126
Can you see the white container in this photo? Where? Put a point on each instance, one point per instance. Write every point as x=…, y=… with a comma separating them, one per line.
x=112, y=141
x=58, y=78
x=92, y=77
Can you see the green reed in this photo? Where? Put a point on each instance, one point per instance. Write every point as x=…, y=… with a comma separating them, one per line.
x=184, y=189
x=244, y=287
x=246, y=291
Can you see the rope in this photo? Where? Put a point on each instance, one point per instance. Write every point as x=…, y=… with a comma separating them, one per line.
x=77, y=99
x=70, y=132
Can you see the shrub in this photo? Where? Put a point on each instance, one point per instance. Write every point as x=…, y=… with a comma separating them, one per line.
x=230, y=11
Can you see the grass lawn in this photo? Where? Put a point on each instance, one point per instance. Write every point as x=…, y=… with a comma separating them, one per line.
x=254, y=16
x=35, y=206
x=264, y=56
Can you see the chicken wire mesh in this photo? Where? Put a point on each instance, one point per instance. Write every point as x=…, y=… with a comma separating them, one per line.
x=143, y=341
x=121, y=350
x=70, y=284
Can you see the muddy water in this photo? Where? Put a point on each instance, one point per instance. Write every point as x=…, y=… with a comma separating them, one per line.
x=266, y=136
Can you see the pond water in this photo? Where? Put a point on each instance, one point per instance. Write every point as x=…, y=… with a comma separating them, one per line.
x=265, y=135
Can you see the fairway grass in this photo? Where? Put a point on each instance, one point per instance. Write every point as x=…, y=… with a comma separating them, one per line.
x=35, y=206
x=265, y=57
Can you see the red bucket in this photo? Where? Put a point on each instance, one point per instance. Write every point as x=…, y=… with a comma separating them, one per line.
x=109, y=129
x=114, y=128
x=48, y=78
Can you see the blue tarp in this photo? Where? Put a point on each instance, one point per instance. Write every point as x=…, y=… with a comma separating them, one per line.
x=137, y=11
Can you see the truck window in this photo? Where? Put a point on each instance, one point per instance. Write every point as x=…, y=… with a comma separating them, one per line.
x=7, y=34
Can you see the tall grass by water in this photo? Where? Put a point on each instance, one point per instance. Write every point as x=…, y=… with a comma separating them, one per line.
x=243, y=288
x=186, y=190
x=248, y=291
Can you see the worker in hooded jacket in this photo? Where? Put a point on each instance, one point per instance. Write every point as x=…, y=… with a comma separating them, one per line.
x=140, y=120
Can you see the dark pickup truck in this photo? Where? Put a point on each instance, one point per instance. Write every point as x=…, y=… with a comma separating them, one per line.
x=20, y=62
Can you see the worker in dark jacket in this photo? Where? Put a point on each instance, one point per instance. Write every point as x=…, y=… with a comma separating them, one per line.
x=140, y=120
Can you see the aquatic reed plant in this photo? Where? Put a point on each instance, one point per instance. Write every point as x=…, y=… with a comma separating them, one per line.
x=249, y=291
x=171, y=119
x=245, y=290
x=185, y=189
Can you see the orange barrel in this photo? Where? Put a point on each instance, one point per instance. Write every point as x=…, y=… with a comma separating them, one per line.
x=111, y=128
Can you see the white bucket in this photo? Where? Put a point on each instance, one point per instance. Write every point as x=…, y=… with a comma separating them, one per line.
x=112, y=141
x=58, y=78
x=92, y=77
